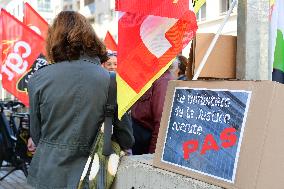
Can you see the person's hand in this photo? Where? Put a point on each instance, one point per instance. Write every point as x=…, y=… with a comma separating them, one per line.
x=31, y=146
x=128, y=152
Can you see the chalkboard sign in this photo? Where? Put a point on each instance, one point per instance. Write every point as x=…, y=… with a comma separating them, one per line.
x=205, y=130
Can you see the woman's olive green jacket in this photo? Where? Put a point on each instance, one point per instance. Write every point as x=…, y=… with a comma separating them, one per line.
x=67, y=102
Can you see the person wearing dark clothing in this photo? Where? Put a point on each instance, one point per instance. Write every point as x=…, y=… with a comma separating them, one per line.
x=67, y=101
x=146, y=116
x=181, y=67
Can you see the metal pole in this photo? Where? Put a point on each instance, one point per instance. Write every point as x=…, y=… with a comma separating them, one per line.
x=203, y=62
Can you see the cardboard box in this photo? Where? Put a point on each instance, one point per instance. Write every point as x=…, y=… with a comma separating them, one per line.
x=221, y=62
x=226, y=133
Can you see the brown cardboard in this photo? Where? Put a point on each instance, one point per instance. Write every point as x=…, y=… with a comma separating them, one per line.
x=261, y=158
x=221, y=62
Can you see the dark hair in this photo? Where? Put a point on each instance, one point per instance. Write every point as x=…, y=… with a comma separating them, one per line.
x=108, y=55
x=70, y=36
x=182, y=64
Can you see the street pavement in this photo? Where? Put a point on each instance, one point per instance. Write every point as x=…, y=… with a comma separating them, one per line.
x=15, y=180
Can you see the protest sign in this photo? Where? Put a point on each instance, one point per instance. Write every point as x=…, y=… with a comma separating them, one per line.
x=223, y=132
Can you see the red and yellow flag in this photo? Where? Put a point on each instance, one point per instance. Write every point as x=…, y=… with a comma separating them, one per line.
x=21, y=47
x=35, y=21
x=150, y=35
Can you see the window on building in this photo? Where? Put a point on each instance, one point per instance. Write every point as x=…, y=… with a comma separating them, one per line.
x=77, y=5
x=87, y=2
x=101, y=18
x=112, y=13
x=44, y=5
x=65, y=7
x=201, y=14
x=225, y=6
x=91, y=20
x=18, y=10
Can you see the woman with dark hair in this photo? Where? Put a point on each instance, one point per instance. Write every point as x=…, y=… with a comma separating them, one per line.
x=178, y=68
x=182, y=63
x=67, y=101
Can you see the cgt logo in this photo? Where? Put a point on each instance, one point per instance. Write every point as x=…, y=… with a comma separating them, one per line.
x=15, y=62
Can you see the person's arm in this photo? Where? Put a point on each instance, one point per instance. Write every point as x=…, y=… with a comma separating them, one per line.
x=34, y=112
x=157, y=103
x=123, y=132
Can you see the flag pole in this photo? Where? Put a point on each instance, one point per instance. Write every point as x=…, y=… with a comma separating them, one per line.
x=203, y=62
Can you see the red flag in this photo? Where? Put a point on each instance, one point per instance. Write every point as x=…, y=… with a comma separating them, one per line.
x=164, y=8
x=21, y=48
x=151, y=34
x=110, y=42
x=35, y=21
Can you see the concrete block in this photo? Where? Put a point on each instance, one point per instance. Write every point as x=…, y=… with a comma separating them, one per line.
x=137, y=172
x=253, y=40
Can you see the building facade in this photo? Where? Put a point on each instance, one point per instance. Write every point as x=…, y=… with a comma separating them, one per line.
x=101, y=14
x=212, y=14
x=46, y=8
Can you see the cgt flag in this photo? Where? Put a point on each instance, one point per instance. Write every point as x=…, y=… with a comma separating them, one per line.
x=21, y=48
x=110, y=42
x=150, y=35
x=35, y=21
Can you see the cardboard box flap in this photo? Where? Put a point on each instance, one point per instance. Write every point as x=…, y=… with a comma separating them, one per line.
x=221, y=62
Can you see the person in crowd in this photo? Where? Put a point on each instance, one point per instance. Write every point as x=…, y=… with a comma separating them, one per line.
x=111, y=63
x=179, y=68
x=146, y=115
x=67, y=101
x=182, y=68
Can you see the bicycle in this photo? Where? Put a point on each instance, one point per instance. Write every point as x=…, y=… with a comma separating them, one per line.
x=13, y=138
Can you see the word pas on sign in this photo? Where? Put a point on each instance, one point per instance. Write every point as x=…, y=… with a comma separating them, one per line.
x=228, y=137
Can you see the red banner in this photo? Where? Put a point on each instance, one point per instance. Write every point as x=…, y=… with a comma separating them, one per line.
x=149, y=43
x=110, y=42
x=164, y=8
x=150, y=35
x=35, y=21
x=21, y=47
